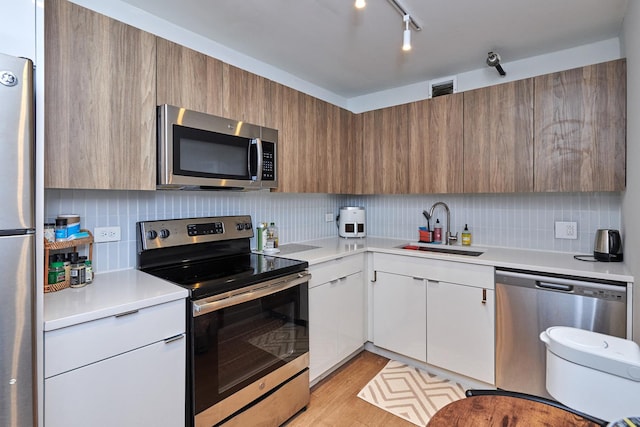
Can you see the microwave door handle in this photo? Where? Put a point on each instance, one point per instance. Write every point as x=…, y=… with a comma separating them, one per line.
x=258, y=143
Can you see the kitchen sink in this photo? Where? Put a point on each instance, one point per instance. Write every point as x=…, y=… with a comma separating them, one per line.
x=442, y=250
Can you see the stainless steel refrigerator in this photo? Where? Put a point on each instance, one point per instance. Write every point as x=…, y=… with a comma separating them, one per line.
x=17, y=243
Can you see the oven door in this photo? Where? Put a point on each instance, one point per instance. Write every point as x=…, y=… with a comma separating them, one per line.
x=241, y=337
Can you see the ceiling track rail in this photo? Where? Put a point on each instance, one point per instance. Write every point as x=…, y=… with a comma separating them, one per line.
x=403, y=11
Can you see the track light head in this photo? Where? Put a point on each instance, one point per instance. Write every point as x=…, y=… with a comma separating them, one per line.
x=493, y=60
x=406, y=35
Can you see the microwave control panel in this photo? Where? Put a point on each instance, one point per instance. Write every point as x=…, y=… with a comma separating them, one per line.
x=268, y=161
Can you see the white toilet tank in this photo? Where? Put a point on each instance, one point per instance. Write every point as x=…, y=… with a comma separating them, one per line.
x=593, y=373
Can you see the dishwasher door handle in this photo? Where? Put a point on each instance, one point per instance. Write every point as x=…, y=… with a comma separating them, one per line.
x=554, y=286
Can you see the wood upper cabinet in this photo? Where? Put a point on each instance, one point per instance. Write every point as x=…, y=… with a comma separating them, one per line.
x=100, y=102
x=498, y=138
x=580, y=129
x=385, y=150
x=246, y=96
x=314, y=138
x=189, y=79
x=435, y=139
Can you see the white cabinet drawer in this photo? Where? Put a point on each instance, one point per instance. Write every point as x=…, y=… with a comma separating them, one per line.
x=144, y=387
x=79, y=345
x=436, y=270
x=335, y=269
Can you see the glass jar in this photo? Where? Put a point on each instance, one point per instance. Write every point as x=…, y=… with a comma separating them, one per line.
x=50, y=231
x=88, y=269
x=78, y=275
x=56, y=273
x=61, y=229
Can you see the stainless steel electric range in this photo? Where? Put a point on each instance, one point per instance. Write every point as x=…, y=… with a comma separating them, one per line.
x=247, y=319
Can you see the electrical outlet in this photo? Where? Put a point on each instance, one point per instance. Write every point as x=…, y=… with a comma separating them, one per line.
x=106, y=234
x=566, y=230
x=328, y=217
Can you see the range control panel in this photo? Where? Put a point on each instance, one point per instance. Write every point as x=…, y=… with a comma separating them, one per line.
x=176, y=232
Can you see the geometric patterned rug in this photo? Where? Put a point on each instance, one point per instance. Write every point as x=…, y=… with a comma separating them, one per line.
x=410, y=393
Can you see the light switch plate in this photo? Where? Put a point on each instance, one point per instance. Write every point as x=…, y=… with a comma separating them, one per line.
x=566, y=230
x=328, y=217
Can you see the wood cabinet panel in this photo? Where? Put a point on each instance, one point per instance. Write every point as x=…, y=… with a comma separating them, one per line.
x=100, y=101
x=498, y=138
x=385, y=147
x=284, y=116
x=436, y=138
x=189, y=79
x=580, y=129
x=246, y=96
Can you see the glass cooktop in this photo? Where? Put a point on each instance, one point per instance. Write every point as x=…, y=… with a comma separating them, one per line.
x=214, y=276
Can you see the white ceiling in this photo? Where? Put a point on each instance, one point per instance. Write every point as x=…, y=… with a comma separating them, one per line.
x=356, y=52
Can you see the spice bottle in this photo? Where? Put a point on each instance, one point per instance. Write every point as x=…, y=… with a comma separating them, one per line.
x=466, y=236
x=272, y=233
x=56, y=273
x=88, y=269
x=61, y=229
x=78, y=276
x=50, y=231
x=437, y=232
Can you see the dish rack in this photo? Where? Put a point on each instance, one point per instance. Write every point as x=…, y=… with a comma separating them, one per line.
x=54, y=246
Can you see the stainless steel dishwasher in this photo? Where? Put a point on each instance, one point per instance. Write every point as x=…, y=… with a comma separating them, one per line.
x=527, y=303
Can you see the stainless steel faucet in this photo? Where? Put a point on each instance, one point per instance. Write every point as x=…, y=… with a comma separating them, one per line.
x=449, y=238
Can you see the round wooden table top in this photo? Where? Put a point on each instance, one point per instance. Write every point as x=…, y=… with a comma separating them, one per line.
x=504, y=411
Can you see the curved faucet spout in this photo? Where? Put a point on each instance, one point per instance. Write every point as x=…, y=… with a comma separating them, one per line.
x=449, y=238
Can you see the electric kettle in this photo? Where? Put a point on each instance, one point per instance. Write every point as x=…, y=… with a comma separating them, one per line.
x=608, y=245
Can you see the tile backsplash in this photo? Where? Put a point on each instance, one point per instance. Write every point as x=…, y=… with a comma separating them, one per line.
x=511, y=220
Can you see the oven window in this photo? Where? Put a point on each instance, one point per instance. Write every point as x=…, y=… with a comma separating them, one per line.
x=237, y=345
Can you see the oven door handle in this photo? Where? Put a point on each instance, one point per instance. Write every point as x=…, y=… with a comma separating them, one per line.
x=218, y=302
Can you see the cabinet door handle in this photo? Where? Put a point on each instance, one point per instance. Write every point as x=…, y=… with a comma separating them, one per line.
x=342, y=278
x=375, y=276
x=418, y=278
x=484, y=296
x=126, y=313
x=173, y=338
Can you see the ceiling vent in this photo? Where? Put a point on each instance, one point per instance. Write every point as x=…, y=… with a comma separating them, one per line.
x=445, y=86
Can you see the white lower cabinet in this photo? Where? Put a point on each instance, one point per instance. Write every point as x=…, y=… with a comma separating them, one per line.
x=124, y=370
x=460, y=331
x=436, y=311
x=337, y=313
x=400, y=314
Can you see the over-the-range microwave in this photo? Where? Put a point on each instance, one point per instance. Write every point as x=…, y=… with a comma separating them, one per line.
x=198, y=151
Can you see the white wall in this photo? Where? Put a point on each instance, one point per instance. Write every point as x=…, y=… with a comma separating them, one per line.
x=593, y=53
x=631, y=197
x=18, y=28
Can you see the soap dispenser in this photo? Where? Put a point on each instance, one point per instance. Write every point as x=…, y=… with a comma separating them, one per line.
x=466, y=236
x=437, y=232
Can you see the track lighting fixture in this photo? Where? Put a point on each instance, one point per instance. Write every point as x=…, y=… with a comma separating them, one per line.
x=360, y=4
x=493, y=60
x=406, y=38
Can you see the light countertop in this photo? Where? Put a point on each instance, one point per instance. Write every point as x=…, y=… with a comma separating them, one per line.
x=540, y=261
x=110, y=294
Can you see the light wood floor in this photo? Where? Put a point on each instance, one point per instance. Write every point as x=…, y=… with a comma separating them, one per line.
x=334, y=401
